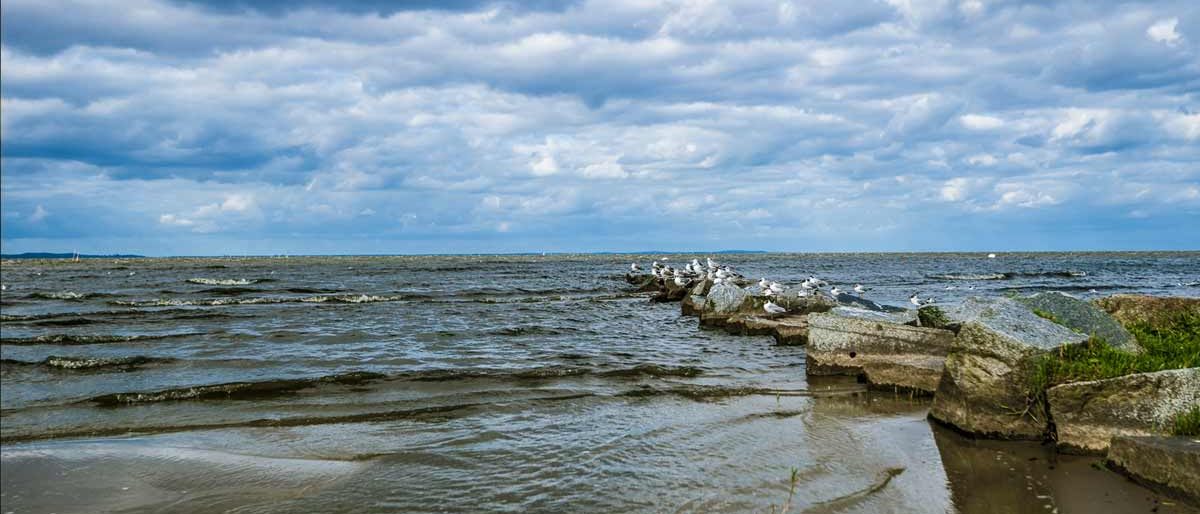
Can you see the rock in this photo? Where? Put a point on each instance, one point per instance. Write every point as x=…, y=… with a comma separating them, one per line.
x=1154, y=310
x=879, y=346
x=722, y=301
x=985, y=386
x=1168, y=464
x=671, y=292
x=934, y=317
x=1081, y=316
x=1088, y=414
x=645, y=283
x=787, y=329
x=691, y=305
x=701, y=287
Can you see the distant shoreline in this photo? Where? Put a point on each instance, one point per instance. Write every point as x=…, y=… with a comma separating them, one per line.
x=68, y=256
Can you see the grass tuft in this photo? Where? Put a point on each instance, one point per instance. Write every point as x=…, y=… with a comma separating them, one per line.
x=1174, y=344
x=1046, y=315
x=1187, y=423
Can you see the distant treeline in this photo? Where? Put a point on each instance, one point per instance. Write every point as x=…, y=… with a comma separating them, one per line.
x=47, y=255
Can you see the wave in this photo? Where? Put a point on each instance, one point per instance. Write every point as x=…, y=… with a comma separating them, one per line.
x=90, y=317
x=79, y=339
x=261, y=300
x=954, y=276
x=222, y=281
x=653, y=370
x=70, y=296
x=1007, y=275
x=234, y=390
x=91, y=363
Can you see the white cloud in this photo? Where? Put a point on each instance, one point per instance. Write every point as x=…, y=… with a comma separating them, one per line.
x=955, y=190
x=1163, y=31
x=980, y=122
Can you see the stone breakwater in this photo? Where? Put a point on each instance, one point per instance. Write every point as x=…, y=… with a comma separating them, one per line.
x=980, y=363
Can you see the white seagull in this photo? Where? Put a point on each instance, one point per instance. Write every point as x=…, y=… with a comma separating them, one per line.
x=634, y=268
x=775, y=287
x=763, y=283
x=858, y=288
x=772, y=308
x=680, y=281
x=835, y=291
x=919, y=302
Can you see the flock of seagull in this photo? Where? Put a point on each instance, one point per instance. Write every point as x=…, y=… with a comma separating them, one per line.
x=722, y=274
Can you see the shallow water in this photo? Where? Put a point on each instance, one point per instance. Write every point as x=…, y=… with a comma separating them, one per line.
x=518, y=384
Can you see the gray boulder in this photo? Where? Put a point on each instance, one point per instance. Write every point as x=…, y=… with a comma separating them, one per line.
x=878, y=346
x=1087, y=415
x=1082, y=317
x=986, y=386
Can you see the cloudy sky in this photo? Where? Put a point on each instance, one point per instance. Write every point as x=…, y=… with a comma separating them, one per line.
x=238, y=127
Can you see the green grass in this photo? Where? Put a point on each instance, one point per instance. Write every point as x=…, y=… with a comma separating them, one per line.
x=1171, y=345
x=1187, y=423
x=931, y=316
x=1045, y=315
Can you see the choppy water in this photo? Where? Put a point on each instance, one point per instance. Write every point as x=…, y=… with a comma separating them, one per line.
x=524, y=383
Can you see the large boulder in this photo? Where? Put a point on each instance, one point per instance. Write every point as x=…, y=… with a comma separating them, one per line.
x=1169, y=464
x=723, y=300
x=1153, y=310
x=1087, y=415
x=1080, y=316
x=879, y=346
x=986, y=386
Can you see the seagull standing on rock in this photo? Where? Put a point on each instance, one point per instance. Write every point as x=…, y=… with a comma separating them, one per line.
x=634, y=268
x=773, y=308
x=858, y=288
x=835, y=291
x=919, y=302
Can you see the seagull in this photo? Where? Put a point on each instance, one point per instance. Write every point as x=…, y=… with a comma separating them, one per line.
x=775, y=287
x=919, y=302
x=835, y=291
x=132, y=273
x=768, y=292
x=680, y=281
x=711, y=264
x=802, y=293
x=772, y=308
x=858, y=288
x=634, y=268
x=991, y=256
x=763, y=283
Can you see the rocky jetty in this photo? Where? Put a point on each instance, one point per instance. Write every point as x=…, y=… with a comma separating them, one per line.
x=1087, y=415
x=987, y=361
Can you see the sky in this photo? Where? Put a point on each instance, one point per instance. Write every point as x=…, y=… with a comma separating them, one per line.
x=171, y=127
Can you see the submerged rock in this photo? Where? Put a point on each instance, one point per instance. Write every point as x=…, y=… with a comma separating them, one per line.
x=1082, y=317
x=879, y=346
x=985, y=388
x=1088, y=414
x=1169, y=464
